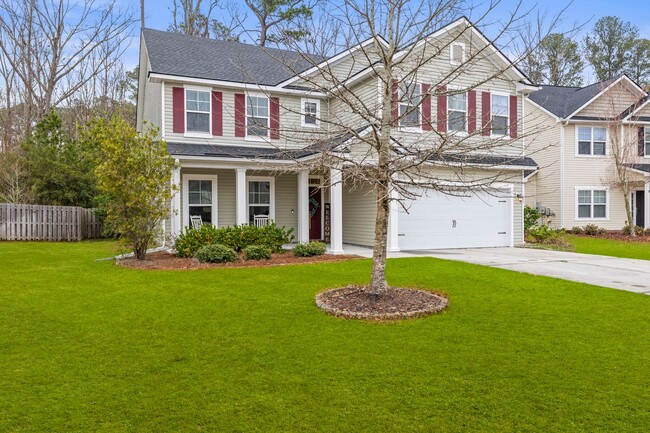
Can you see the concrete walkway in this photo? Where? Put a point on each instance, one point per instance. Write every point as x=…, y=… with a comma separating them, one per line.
x=623, y=274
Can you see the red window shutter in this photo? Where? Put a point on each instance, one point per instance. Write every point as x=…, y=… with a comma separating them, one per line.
x=471, y=111
x=394, y=103
x=178, y=109
x=426, y=108
x=442, y=109
x=486, y=115
x=275, y=118
x=513, y=116
x=240, y=115
x=217, y=113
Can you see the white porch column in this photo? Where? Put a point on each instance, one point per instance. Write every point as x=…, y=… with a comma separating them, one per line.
x=240, y=194
x=176, y=201
x=393, y=219
x=336, y=212
x=303, y=206
x=646, y=204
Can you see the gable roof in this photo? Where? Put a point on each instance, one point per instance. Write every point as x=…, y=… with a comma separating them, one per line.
x=565, y=101
x=220, y=60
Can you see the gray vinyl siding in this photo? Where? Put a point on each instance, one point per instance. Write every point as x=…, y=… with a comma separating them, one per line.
x=359, y=213
x=286, y=201
x=611, y=103
x=226, y=200
x=149, y=113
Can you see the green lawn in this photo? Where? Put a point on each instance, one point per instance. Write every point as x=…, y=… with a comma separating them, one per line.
x=610, y=247
x=86, y=346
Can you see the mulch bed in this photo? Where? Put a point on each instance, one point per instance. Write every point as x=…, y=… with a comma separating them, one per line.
x=356, y=302
x=163, y=261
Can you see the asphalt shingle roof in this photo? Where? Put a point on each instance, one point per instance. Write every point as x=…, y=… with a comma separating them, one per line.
x=245, y=152
x=562, y=101
x=640, y=167
x=188, y=56
x=489, y=160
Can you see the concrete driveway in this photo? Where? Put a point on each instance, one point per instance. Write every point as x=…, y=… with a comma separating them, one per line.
x=623, y=274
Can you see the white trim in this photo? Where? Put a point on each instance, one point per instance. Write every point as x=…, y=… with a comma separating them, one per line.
x=646, y=203
x=162, y=110
x=197, y=134
x=508, y=126
x=336, y=211
x=155, y=77
x=186, y=196
x=175, y=202
x=463, y=47
x=639, y=108
x=302, y=234
x=271, y=181
x=241, y=212
x=591, y=155
x=592, y=189
x=247, y=137
x=329, y=62
x=603, y=91
x=303, y=112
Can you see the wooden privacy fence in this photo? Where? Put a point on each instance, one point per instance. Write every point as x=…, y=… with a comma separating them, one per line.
x=25, y=222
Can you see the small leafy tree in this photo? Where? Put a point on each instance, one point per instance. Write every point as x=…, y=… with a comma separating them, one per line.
x=531, y=217
x=135, y=175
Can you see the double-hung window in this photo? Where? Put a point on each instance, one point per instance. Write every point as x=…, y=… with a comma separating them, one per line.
x=646, y=141
x=592, y=140
x=200, y=198
x=310, y=112
x=257, y=116
x=500, y=110
x=197, y=111
x=409, y=105
x=457, y=112
x=592, y=203
x=259, y=199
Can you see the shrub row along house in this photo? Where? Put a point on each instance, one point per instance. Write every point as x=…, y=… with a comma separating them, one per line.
x=244, y=122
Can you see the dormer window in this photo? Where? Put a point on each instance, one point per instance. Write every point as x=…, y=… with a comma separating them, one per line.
x=457, y=53
x=409, y=101
x=197, y=111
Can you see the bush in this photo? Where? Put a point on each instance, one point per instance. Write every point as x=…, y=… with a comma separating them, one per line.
x=546, y=235
x=310, y=249
x=577, y=230
x=257, y=252
x=236, y=237
x=531, y=216
x=647, y=231
x=627, y=230
x=594, y=230
x=216, y=253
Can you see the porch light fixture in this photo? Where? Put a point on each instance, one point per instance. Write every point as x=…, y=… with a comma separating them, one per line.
x=520, y=198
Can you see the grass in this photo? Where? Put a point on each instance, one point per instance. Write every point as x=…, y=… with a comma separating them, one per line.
x=610, y=247
x=87, y=346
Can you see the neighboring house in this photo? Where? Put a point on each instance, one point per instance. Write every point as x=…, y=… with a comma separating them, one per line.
x=572, y=142
x=224, y=107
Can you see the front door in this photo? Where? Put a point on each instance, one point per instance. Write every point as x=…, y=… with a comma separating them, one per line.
x=640, y=208
x=315, y=212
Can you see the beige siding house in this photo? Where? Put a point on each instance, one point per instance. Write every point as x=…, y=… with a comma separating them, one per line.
x=242, y=127
x=575, y=134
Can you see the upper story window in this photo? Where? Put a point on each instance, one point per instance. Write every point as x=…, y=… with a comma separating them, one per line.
x=457, y=112
x=310, y=112
x=592, y=203
x=409, y=101
x=646, y=141
x=197, y=111
x=500, y=111
x=592, y=140
x=457, y=53
x=257, y=116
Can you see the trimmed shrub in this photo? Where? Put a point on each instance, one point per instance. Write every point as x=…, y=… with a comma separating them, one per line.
x=236, y=237
x=531, y=216
x=190, y=240
x=594, y=230
x=257, y=252
x=647, y=231
x=577, y=230
x=627, y=230
x=216, y=253
x=310, y=249
x=546, y=235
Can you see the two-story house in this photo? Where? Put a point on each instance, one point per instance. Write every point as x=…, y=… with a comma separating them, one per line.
x=224, y=109
x=573, y=143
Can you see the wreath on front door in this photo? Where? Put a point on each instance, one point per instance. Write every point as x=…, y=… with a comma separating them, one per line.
x=314, y=207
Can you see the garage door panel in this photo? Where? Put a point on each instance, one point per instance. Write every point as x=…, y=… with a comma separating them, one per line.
x=435, y=220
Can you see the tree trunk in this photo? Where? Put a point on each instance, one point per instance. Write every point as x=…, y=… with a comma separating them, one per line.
x=628, y=212
x=378, y=284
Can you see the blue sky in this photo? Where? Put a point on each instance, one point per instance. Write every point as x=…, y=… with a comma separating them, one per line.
x=158, y=15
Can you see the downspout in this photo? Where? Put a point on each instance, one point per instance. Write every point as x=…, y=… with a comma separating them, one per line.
x=562, y=125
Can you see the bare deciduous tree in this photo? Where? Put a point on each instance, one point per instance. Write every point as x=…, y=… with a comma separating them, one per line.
x=57, y=47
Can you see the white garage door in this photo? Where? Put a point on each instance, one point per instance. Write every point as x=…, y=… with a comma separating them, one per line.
x=436, y=220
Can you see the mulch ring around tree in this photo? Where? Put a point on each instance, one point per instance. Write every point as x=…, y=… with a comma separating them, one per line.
x=165, y=261
x=356, y=302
